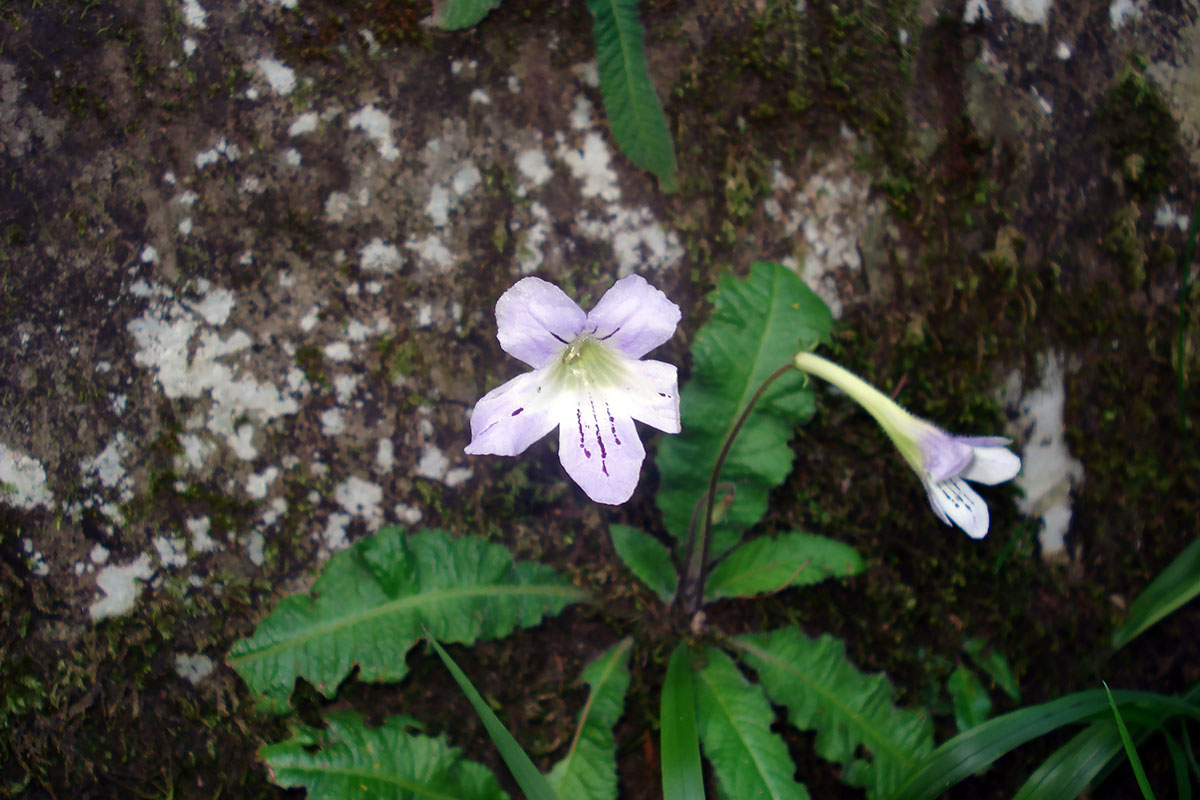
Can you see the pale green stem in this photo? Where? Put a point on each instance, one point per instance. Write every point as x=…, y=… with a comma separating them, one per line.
x=902, y=427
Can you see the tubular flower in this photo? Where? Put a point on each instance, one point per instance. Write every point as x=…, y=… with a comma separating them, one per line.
x=588, y=380
x=942, y=461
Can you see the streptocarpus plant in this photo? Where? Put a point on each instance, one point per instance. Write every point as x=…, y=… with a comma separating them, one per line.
x=746, y=394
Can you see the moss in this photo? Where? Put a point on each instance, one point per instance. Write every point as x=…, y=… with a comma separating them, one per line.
x=1123, y=242
x=1139, y=133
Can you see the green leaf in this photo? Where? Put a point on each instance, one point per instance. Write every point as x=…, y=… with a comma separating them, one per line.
x=450, y=15
x=1174, y=586
x=633, y=109
x=532, y=783
x=851, y=711
x=995, y=665
x=971, y=702
x=972, y=751
x=682, y=774
x=1130, y=751
x=376, y=600
x=764, y=565
x=735, y=729
x=1071, y=768
x=647, y=558
x=348, y=760
x=758, y=324
x=589, y=769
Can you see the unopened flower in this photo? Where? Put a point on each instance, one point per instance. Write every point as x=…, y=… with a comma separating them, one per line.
x=589, y=380
x=942, y=461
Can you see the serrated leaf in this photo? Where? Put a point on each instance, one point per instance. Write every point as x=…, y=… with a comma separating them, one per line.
x=633, y=109
x=450, y=15
x=971, y=702
x=647, y=558
x=849, y=710
x=589, y=769
x=995, y=665
x=682, y=773
x=758, y=324
x=376, y=600
x=765, y=565
x=734, y=720
x=348, y=760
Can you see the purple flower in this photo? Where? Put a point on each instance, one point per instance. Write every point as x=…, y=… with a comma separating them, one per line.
x=942, y=461
x=588, y=380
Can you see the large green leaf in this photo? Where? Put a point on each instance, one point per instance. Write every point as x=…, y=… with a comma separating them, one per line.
x=682, y=774
x=452, y=15
x=971, y=702
x=532, y=783
x=376, y=600
x=851, y=711
x=589, y=769
x=636, y=116
x=1174, y=586
x=757, y=326
x=735, y=731
x=646, y=558
x=765, y=565
x=347, y=760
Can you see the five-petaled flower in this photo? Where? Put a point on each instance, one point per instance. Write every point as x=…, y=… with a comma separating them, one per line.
x=942, y=461
x=589, y=380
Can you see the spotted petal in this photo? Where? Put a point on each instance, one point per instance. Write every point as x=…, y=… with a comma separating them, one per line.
x=535, y=320
x=600, y=449
x=633, y=317
x=649, y=392
x=512, y=416
x=956, y=503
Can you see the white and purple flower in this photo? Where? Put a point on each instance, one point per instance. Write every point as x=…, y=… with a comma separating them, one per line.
x=942, y=461
x=589, y=380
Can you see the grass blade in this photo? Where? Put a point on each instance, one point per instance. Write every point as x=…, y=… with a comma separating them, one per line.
x=1174, y=586
x=532, y=783
x=1130, y=750
x=682, y=776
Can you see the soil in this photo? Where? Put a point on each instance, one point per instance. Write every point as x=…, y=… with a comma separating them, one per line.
x=242, y=245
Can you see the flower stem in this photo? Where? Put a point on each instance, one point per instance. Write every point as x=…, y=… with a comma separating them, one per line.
x=691, y=591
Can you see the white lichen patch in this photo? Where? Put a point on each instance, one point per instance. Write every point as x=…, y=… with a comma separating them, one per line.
x=335, y=532
x=1031, y=12
x=279, y=76
x=360, y=498
x=193, y=668
x=1121, y=12
x=194, y=15
x=122, y=586
x=222, y=149
x=409, y=515
x=379, y=256
x=172, y=552
x=258, y=483
x=591, y=164
x=432, y=251
x=534, y=168
x=106, y=467
x=22, y=480
x=830, y=215
x=1048, y=471
x=1165, y=216
x=435, y=466
x=198, y=527
x=339, y=204
x=344, y=386
x=333, y=423
x=385, y=455
x=164, y=335
x=305, y=123
x=378, y=128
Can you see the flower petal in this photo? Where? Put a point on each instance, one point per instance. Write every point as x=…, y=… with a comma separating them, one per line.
x=535, y=320
x=944, y=456
x=512, y=416
x=600, y=449
x=633, y=317
x=956, y=503
x=993, y=465
x=649, y=393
